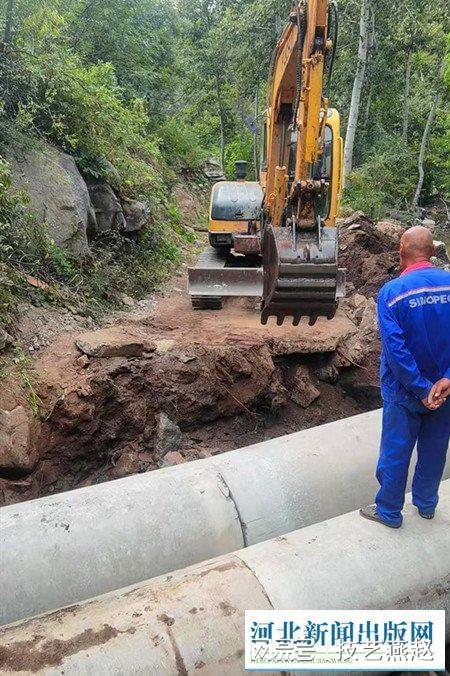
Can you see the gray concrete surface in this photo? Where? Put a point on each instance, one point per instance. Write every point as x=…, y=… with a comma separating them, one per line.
x=192, y=621
x=68, y=547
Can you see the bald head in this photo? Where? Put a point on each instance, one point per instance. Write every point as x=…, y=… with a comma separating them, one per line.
x=416, y=245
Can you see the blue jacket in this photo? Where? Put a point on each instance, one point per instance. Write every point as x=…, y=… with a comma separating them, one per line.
x=414, y=320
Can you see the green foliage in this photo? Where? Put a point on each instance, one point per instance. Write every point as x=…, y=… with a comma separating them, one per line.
x=384, y=181
x=180, y=145
x=412, y=31
x=91, y=78
x=241, y=148
x=138, y=90
x=29, y=378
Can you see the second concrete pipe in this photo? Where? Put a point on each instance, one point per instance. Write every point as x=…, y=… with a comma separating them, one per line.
x=65, y=548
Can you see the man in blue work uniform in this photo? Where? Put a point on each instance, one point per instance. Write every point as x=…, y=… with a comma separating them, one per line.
x=414, y=321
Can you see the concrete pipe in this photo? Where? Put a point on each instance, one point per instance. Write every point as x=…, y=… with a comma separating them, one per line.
x=192, y=621
x=65, y=548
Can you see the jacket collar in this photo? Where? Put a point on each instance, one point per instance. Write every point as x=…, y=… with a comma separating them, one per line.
x=417, y=266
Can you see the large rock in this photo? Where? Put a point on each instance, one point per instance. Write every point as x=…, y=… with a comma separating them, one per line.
x=57, y=193
x=441, y=250
x=5, y=339
x=391, y=229
x=172, y=458
x=303, y=389
x=360, y=345
x=213, y=170
x=128, y=463
x=112, y=342
x=108, y=210
x=168, y=435
x=136, y=214
x=16, y=455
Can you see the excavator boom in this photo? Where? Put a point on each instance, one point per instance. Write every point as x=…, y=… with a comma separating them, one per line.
x=303, y=172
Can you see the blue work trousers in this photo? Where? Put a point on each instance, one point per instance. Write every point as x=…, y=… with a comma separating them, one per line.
x=404, y=425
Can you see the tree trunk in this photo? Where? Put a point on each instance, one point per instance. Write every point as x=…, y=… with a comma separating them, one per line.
x=426, y=135
x=255, y=135
x=363, y=50
x=222, y=122
x=367, y=111
x=406, y=95
x=423, y=148
x=8, y=22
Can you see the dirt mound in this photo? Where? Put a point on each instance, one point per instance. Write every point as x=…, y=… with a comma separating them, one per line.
x=169, y=384
x=369, y=251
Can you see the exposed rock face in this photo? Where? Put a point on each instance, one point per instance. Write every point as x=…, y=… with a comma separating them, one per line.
x=15, y=452
x=303, y=391
x=213, y=170
x=110, y=342
x=168, y=435
x=108, y=211
x=355, y=350
x=136, y=215
x=57, y=193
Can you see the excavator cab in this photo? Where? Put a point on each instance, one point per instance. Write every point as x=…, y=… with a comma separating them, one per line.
x=235, y=216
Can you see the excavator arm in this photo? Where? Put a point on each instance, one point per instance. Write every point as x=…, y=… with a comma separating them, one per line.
x=301, y=174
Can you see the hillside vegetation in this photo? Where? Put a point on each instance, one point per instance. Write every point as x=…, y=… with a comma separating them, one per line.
x=141, y=92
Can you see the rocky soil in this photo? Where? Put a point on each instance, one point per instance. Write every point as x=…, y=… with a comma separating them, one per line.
x=164, y=384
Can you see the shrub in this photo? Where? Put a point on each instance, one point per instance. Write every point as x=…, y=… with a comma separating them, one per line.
x=181, y=145
x=385, y=181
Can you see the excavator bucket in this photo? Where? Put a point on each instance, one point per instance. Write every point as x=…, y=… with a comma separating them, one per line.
x=301, y=275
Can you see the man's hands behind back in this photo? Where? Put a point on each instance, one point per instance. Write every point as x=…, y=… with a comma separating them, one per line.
x=438, y=394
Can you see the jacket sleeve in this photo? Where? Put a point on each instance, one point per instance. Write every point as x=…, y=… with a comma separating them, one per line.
x=400, y=359
x=447, y=373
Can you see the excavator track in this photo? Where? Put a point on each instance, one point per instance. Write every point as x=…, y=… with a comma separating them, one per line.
x=207, y=302
x=301, y=274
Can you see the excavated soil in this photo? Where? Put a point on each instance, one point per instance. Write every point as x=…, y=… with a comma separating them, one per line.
x=224, y=379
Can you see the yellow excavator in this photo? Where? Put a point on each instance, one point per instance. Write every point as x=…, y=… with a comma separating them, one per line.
x=276, y=237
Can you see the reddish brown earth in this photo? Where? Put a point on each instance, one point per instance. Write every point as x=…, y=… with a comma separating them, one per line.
x=222, y=377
